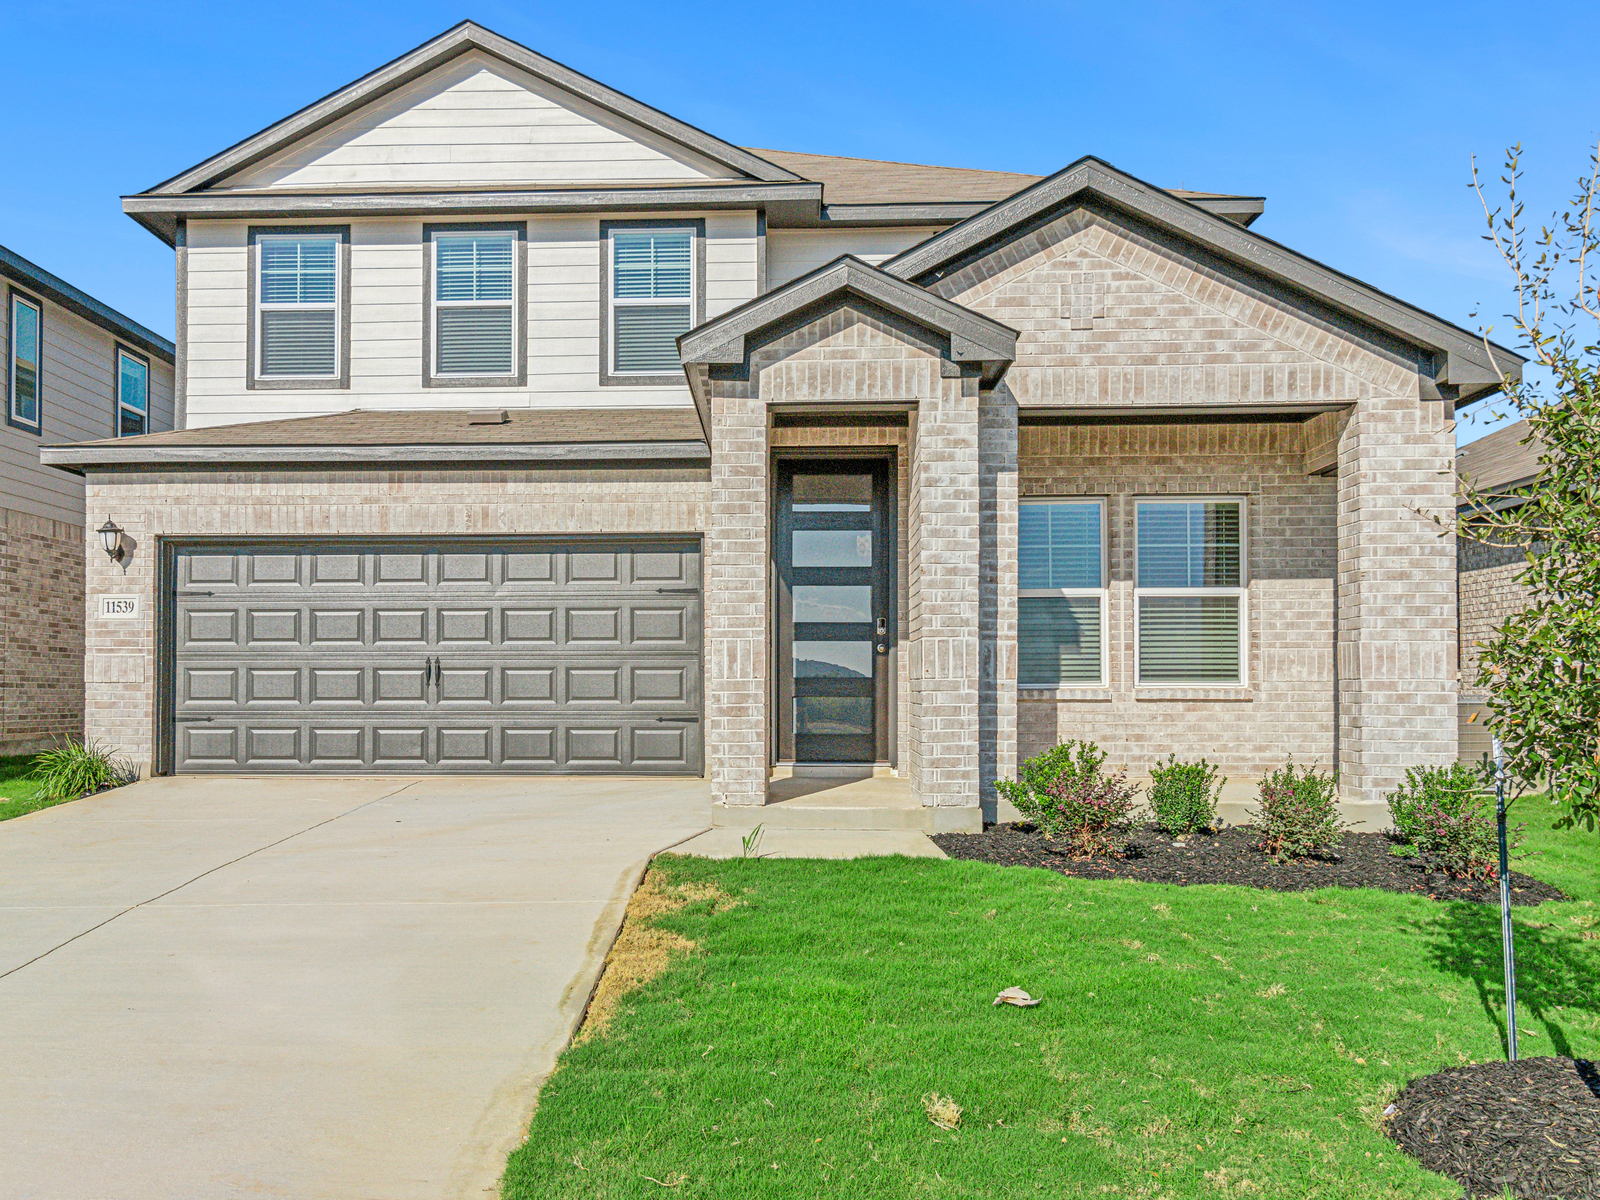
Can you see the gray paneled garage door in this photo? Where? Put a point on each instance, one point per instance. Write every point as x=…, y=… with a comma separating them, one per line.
x=400, y=657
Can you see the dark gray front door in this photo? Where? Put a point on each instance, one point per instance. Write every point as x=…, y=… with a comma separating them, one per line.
x=536, y=656
x=832, y=553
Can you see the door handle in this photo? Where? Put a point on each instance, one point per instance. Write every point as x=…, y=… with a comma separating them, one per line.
x=430, y=672
x=883, y=627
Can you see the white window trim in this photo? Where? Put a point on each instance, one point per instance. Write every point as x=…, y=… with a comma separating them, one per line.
x=1242, y=592
x=131, y=357
x=614, y=302
x=37, y=424
x=1103, y=592
x=262, y=306
x=438, y=305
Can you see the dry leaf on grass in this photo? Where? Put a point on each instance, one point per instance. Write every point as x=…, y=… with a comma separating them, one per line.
x=1016, y=996
x=943, y=1111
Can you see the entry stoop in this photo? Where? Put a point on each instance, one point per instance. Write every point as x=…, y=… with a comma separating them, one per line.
x=848, y=796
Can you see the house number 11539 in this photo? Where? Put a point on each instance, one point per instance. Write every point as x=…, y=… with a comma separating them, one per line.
x=119, y=608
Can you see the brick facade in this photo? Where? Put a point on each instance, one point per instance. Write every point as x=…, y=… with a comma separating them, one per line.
x=41, y=671
x=372, y=503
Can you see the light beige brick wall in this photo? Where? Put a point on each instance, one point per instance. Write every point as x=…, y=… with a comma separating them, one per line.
x=1398, y=646
x=41, y=657
x=1488, y=593
x=120, y=655
x=997, y=594
x=1287, y=707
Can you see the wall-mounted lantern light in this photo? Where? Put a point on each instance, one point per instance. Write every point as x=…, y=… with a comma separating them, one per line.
x=111, y=542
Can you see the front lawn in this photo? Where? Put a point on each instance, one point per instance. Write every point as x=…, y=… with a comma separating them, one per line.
x=17, y=789
x=1193, y=1041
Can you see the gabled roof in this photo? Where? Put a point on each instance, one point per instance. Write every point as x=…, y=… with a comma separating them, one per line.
x=725, y=341
x=433, y=54
x=415, y=435
x=52, y=287
x=1461, y=359
x=851, y=183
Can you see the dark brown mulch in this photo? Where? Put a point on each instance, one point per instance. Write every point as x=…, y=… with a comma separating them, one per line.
x=1363, y=860
x=1530, y=1127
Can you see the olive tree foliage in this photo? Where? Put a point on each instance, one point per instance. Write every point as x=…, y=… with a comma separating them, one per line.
x=1542, y=668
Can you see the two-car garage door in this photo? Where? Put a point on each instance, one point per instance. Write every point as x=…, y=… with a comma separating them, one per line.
x=526, y=656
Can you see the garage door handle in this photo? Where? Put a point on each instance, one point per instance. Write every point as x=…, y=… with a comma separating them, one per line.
x=187, y=720
x=678, y=591
x=695, y=719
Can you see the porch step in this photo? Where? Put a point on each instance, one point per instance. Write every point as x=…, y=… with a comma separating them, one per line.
x=863, y=799
x=792, y=814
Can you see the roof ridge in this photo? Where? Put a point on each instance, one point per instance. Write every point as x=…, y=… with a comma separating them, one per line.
x=891, y=162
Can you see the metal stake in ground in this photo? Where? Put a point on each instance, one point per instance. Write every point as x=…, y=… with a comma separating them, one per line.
x=1507, y=949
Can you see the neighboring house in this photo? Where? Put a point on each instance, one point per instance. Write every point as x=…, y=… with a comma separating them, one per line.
x=1487, y=589
x=73, y=370
x=526, y=428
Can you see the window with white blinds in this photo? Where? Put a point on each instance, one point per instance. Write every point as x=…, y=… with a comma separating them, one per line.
x=26, y=327
x=652, y=298
x=475, y=303
x=1061, y=593
x=1189, y=593
x=133, y=395
x=297, y=302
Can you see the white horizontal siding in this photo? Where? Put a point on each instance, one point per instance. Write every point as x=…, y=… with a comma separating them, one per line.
x=78, y=399
x=477, y=122
x=386, y=320
x=792, y=253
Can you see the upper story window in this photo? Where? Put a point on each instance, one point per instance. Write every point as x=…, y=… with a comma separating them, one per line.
x=475, y=304
x=651, y=298
x=1061, y=593
x=133, y=394
x=298, y=306
x=24, y=362
x=1189, y=590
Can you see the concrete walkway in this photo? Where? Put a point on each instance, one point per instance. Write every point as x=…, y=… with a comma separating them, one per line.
x=340, y=988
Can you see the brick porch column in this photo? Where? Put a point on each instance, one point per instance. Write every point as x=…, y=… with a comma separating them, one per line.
x=1397, y=646
x=944, y=618
x=997, y=597
x=736, y=622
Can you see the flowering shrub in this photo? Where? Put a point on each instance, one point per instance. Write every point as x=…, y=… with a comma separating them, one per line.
x=1067, y=794
x=1299, y=813
x=1444, y=813
x=1184, y=795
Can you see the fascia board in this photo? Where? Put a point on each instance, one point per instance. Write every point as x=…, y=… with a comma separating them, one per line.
x=1468, y=364
x=435, y=53
x=78, y=458
x=35, y=278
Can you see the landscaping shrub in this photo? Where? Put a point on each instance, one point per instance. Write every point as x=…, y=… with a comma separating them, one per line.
x=75, y=769
x=1444, y=813
x=1067, y=793
x=1299, y=813
x=1184, y=795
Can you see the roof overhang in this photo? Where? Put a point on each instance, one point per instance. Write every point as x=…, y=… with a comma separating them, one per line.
x=433, y=54
x=785, y=203
x=726, y=342
x=1465, y=366
x=81, y=458
x=36, y=279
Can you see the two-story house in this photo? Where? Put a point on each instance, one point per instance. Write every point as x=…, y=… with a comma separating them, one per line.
x=73, y=369
x=525, y=428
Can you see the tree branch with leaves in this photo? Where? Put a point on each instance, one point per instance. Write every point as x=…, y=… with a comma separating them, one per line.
x=1542, y=668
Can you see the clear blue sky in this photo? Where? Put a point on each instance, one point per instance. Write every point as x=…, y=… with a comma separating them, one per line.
x=1356, y=121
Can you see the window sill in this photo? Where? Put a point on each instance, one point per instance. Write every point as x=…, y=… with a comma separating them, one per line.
x=1194, y=693
x=1096, y=694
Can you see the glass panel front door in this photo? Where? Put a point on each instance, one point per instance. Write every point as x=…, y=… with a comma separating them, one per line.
x=833, y=555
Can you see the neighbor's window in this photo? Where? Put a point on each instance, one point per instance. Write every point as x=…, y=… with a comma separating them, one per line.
x=298, y=306
x=1061, y=593
x=1189, y=591
x=652, y=298
x=26, y=344
x=133, y=395
x=474, y=303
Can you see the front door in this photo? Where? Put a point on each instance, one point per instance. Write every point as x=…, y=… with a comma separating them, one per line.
x=833, y=552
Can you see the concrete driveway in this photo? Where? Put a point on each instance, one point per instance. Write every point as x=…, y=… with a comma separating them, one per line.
x=341, y=988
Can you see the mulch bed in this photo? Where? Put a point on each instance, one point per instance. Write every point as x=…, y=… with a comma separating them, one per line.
x=1362, y=860
x=1530, y=1127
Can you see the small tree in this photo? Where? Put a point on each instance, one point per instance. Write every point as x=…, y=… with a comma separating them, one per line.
x=1543, y=667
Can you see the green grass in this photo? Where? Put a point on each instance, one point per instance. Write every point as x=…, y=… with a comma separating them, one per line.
x=17, y=790
x=1193, y=1042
